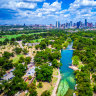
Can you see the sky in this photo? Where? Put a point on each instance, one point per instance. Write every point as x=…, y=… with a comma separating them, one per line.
x=46, y=11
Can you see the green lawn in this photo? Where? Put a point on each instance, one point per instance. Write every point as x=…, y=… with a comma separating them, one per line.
x=35, y=33
x=15, y=59
x=14, y=36
x=36, y=40
x=9, y=37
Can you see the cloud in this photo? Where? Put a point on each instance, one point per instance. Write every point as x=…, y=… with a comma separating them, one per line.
x=50, y=9
x=78, y=10
x=15, y=5
x=46, y=10
x=35, y=0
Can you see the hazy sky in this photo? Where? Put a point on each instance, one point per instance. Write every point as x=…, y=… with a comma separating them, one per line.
x=46, y=11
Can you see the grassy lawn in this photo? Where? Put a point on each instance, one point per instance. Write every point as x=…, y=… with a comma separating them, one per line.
x=9, y=37
x=14, y=36
x=15, y=59
x=35, y=33
x=36, y=40
x=46, y=86
x=55, y=72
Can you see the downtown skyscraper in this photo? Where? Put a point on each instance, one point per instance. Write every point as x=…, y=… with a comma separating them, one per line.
x=57, y=24
x=85, y=22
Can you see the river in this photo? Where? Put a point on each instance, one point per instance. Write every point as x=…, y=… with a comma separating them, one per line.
x=67, y=83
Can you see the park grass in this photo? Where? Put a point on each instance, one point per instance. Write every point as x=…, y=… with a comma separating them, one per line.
x=9, y=37
x=16, y=58
x=36, y=40
x=35, y=33
x=48, y=86
x=16, y=35
x=55, y=72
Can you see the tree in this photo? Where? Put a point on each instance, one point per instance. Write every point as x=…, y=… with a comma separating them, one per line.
x=2, y=72
x=7, y=65
x=21, y=59
x=30, y=77
x=94, y=88
x=32, y=89
x=18, y=50
x=0, y=43
x=25, y=51
x=2, y=61
x=46, y=93
x=75, y=60
x=44, y=73
x=1, y=88
x=7, y=54
x=42, y=45
x=19, y=70
x=54, y=55
x=27, y=60
x=94, y=77
x=55, y=64
x=40, y=85
x=17, y=84
x=37, y=46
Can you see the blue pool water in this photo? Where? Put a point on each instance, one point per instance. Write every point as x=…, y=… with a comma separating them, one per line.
x=67, y=83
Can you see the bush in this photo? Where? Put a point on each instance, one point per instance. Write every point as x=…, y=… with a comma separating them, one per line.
x=55, y=64
x=94, y=88
x=30, y=77
x=27, y=60
x=25, y=51
x=46, y=93
x=40, y=85
x=18, y=50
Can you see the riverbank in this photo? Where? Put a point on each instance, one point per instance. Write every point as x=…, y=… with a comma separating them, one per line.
x=57, y=83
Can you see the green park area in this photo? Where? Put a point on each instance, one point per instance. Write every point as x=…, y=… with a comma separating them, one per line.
x=36, y=40
x=15, y=59
x=14, y=36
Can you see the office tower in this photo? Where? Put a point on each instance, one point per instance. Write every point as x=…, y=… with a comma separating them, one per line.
x=71, y=23
x=85, y=22
x=24, y=24
x=57, y=24
x=78, y=24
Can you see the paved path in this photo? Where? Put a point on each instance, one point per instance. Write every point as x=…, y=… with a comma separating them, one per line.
x=56, y=86
x=20, y=44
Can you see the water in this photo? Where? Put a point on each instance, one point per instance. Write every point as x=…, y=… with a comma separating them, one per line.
x=67, y=83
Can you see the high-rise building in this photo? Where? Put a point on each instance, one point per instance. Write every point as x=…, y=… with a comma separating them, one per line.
x=78, y=24
x=57, y=24
x=85, y=22
x=71, y=23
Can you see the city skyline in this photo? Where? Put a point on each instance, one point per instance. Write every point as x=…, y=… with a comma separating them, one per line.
x=48, y=11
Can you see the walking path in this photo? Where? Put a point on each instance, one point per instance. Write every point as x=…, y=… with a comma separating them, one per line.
x=56, y=86
x=20, y=44
x=73, y=67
